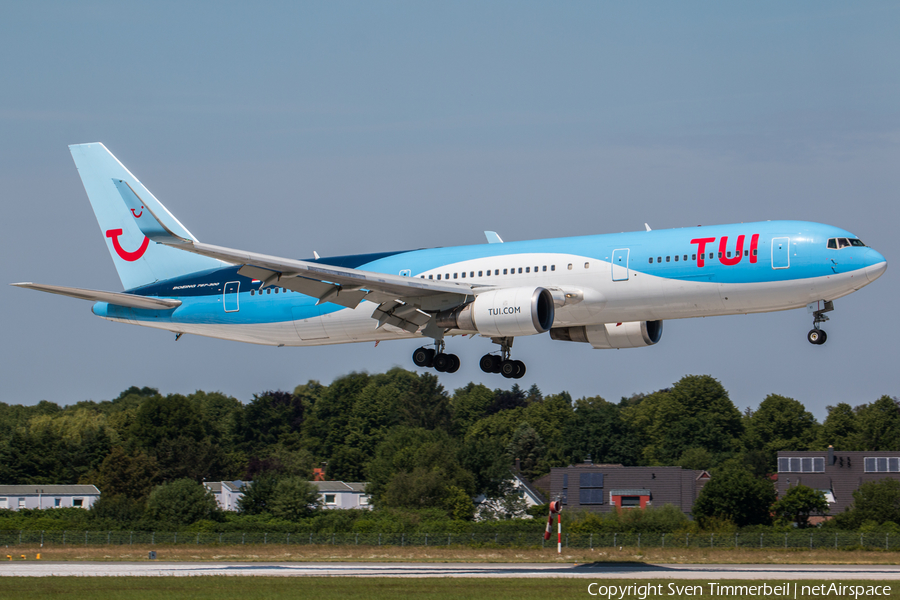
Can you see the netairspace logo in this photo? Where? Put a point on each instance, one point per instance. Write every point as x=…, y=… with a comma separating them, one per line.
x=781, y=590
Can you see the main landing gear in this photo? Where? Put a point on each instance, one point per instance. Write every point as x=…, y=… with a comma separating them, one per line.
x=511, y=369
x=818, y=309
x=435, y=357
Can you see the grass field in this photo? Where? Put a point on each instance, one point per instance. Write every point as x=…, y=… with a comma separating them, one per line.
x=296, y=553
x=251, y=588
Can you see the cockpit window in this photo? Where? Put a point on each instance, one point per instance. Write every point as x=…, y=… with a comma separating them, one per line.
x=838, y=243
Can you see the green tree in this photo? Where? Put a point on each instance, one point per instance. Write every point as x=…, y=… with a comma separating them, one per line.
x=695, y=413
x=165, y=418
x=734, y=494
x=840, y=428
x=469, y=404
x=294, y=498
x=425, y=404
x=798, y=503
x=132, y=475
x=415, y=468
x=696, y=458
x=273, y=417
x=597, y=428
x=877, y=501
x=527, y=446
x=182, y=502
x=879, y=424
x=258, y=495
x=779, y=423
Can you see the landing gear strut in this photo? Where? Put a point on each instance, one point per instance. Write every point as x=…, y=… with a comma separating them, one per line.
x=436, y=358
x=511, y=369
x=818, y=309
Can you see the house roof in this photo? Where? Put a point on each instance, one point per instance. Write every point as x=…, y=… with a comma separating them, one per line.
x=214, y=486
x=332, y=486
x=49, y=490
x=536, y=495
x=358, y=486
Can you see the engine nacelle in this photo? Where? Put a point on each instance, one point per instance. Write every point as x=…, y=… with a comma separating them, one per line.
x=503, y=313
x=635, y=334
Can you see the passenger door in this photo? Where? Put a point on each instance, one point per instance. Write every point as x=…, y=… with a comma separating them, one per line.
x=620, y=264
x=230, y=296
x=781, y=253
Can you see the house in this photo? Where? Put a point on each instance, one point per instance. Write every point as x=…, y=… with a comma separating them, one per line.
x=489, y=508
x=227, y=493
x=606, y=487
x=836, y=473
x=333, y=494
x=16, y=497
x=337, y=494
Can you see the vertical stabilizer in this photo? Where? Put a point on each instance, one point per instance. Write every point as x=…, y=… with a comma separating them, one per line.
x=117, y=206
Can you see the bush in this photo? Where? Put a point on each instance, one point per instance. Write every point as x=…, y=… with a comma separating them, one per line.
x=182, y=502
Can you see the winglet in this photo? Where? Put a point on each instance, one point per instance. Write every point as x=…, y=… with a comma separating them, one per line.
x=492, y=237
x=648, y=227
x=148, y=219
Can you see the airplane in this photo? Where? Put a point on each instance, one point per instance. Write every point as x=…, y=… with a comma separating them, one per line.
x=607, y=291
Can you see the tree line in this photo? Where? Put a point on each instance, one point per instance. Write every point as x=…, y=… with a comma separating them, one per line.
x=420, y=447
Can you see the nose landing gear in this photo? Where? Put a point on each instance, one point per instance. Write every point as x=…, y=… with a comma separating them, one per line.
x=818, y=309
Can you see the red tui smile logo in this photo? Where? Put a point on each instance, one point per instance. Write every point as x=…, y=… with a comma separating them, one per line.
x=124, y=254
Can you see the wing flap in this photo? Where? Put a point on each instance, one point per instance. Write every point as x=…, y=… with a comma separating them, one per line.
x=392, y=285
x=117, y=298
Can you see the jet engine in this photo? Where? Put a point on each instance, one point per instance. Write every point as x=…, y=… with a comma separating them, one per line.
x=635, y=334
x=503, y=313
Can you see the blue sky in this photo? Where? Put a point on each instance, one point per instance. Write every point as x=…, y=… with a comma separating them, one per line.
x=349, y=127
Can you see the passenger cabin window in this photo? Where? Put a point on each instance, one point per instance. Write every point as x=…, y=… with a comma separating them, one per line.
x=504, y=271
x=479, y=273
x=520, y=270
x=552, y=267
x=528, y=269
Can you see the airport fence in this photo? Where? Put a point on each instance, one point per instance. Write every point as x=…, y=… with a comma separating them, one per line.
x=799, y=539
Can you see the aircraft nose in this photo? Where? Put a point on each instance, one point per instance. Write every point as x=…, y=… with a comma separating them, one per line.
x=877, y=265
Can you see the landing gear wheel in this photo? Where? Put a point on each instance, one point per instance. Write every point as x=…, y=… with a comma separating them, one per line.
x=423, y=357
x=520, y=373
x=509, y=368
x=490, y=363
x=454, y=364
x=442, y=362
x=816, y=336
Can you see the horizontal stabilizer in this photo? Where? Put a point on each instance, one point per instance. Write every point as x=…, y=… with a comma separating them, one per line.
x=117, y=298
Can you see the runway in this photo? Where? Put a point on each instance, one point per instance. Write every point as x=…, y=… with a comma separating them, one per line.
x=597, y=571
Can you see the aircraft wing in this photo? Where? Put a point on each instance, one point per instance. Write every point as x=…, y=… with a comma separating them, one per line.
x=402, y=300
x=117, y=298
